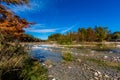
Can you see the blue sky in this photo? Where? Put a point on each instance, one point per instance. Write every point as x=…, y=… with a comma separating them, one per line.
x=60, y=16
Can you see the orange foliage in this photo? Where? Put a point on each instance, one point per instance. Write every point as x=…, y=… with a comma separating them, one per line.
x=10, y=23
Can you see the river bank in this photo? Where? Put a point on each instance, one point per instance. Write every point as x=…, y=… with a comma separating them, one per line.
x=88, y=64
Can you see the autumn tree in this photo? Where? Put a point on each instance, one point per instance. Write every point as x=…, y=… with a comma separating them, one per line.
x=91, y=36
x=11, y=24
x=82, y=32
x=78, y=35
x=54, y=37
x=15, y=2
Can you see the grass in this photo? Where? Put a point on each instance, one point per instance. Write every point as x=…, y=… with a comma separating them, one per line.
x=105, y=64
x=33, y=70
x=67, y=56
x=15, y=63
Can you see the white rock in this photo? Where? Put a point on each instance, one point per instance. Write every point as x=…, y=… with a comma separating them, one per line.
x=106, y=76
x=95, y=74
x=92, y=51
x=79, y=60
x=43, y=64
x=115, y=79
x=69, y=67
x=76, y=53
x=105, y=57
x=100, y=76
x=96, y=78
x=49, y=66
x=99, y=72
x=110, y=52
x=50, y=76
x=53, y=79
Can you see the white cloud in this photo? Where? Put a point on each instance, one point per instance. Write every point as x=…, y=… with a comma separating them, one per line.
x=37, y=26
x=68, y=29
x=32, y=6
x=42, y=30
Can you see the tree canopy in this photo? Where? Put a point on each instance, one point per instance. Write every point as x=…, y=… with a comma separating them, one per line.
x=96, y=34
x=11, y=24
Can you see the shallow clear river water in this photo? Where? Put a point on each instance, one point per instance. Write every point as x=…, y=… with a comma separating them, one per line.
x=43, y=53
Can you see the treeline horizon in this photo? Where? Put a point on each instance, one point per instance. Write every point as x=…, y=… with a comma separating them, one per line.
x=96, y=34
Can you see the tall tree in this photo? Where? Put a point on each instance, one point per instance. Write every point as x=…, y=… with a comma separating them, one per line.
x=101, y=33
x=83, y=34
x=91, y=36
x=54, y=37
x=116, y=35
x=11, y=23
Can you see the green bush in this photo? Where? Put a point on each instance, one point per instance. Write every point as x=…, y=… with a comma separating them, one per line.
x=32, y=70
x=15, y=63
x=67, y=56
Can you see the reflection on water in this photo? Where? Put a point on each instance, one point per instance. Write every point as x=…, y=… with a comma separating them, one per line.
x=45, y=53
x=116, y=51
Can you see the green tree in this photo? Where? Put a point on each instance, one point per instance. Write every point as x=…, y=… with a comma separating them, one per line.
x=54, y=37
x=101, y=33
x=116, y=35
x=82, y=32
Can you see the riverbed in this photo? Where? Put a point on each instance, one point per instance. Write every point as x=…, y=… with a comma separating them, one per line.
x=89, y=64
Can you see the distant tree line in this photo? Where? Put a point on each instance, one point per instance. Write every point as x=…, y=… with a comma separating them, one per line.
x=96, y=34
x=28, y=38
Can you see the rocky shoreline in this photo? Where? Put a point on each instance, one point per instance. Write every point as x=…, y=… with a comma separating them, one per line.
x=86, y=67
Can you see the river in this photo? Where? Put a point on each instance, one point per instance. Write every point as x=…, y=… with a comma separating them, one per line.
x=44, y=52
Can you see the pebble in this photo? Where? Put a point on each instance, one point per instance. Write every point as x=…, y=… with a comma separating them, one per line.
x=100, y=76
x=92, y=51
x=53, y=79
x=43, y=64
x=96, y=78
x=98, y=72
x=49, y=66
x=95, y=74
x=106, y=76
x=69, y=67
x=105, y=57
x=79, y=60
x=50, y=76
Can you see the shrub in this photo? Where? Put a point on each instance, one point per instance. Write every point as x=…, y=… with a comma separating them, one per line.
x=67, y=56
x=15, y=64
x=32, y=70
